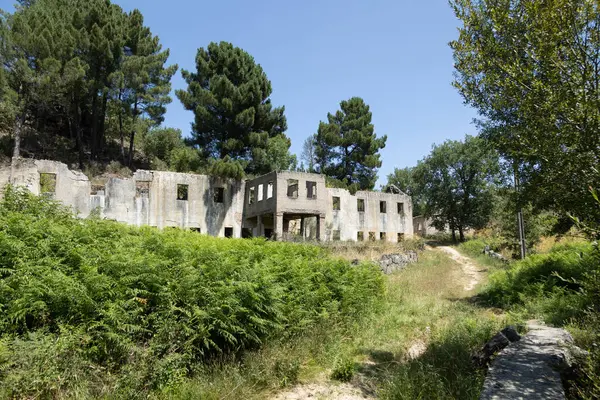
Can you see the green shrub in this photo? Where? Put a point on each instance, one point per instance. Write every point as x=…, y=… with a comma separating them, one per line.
x=287, y=372
x=150, y=306
x=556, y=274
x=343, y=370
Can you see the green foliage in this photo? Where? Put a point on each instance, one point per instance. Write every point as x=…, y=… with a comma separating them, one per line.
x=227, y=168
x=346, y=147
x=343, y=370
x=548, y=283
x=287, y=372
x=116, y=309
x=456, y=182
x=184, y=159
x=308, y=158
x=81, y=72
x=503, y=224
x=160, y=142
x=229, y=96
x=529, y=69
x=404, y=179
x=445, y=370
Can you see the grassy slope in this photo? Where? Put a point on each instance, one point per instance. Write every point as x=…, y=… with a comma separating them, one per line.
x=425, y=304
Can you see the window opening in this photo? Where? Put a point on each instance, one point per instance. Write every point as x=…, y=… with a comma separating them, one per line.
x=219, y=196
x=142, y=189
x=336, y=203
x=360, y=205
x=311, y=190
x=261, y=193
x=383, y=207
x=252, y=195
x=292, y=190
x=182, y=192
x=47, y=183
x=401, y=208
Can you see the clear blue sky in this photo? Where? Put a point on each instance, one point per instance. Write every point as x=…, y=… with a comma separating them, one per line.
x=392, y=53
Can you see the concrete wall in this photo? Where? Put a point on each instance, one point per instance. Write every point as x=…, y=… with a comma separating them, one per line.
x=301, y=204
x=127, y=200
x=151, y=198
x=349, y=221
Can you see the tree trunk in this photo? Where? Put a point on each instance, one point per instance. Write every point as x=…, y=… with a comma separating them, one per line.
x=132, y=136
x=461, y=233
x=122, y=138
x=18, y=132
x=121, y=134
x=102, y=122
x=131, y=139
x=453, y=235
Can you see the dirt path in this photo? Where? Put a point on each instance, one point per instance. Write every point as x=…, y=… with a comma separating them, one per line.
x=324, y=391
x=329, y=390
x=473, y=275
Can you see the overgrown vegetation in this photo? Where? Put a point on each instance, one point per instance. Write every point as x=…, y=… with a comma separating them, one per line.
x=96, y=308
x=561, y=287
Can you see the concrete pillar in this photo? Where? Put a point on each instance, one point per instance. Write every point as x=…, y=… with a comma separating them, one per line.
x=321, y=227
x=278, y=226
x=260, y=228
x=302, y=228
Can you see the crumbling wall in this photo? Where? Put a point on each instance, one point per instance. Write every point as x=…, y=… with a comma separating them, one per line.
x=147, y=198
x=349, y=220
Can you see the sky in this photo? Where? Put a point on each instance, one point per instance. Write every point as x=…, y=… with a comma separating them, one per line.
x=392, y=53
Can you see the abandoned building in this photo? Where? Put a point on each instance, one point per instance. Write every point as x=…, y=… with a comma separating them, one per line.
x=282, y=205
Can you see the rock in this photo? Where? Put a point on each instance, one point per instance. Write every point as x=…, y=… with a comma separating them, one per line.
x=511, y=333
x=390, y=263
x=494, y=345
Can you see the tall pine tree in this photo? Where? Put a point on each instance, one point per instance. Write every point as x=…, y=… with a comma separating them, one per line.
x=347, y=148
x=234, y=118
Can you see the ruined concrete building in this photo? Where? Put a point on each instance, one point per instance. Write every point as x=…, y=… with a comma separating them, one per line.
x=284, y=205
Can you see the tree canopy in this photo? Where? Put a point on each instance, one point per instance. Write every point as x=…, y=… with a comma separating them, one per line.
x=78, y=74
x=404, y=179
x=233, y=115
x=456, y=183
x=347, y=148
x=530, y=68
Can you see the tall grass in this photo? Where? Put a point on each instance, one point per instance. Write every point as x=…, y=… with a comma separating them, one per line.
x=90, y=308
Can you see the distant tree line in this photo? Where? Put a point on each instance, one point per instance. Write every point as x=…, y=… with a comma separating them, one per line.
x=84, y=82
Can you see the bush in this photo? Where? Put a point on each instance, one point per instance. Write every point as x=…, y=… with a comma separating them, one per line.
x=343, y=370
x=149, y=306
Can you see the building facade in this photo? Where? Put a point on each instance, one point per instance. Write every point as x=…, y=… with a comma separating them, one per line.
x=283, y=205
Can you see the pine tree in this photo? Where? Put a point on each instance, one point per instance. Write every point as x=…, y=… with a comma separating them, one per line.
x=144, y=82
x=229, y=95
x=347, y=148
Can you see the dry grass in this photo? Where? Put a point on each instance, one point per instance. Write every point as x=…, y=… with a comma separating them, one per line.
x=371, y=250
x=546, y=243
